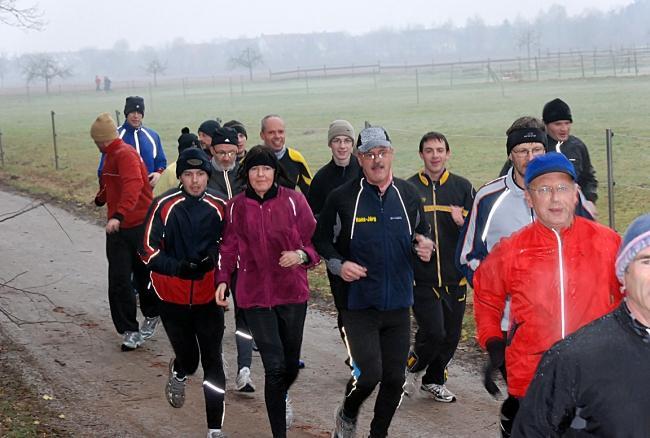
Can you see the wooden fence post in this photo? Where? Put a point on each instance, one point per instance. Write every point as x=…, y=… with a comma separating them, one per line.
x=56, y=152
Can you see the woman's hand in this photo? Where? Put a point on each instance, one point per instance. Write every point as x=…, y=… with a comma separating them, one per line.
x=289, y=259
x=220, y=295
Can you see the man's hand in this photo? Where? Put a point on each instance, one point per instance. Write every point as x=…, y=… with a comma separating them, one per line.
x=289, y=259
x=496, y=348
x=457, y=215
x=112, y=226
x=206, y=264
x=424, y=247
x=351, y=271
x=189, y=270
x=221, y=295
x=153, y=179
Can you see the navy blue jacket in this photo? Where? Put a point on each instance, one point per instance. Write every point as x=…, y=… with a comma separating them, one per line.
x=375, y=231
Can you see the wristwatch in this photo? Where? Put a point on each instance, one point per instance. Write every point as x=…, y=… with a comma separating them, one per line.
x=304, y=259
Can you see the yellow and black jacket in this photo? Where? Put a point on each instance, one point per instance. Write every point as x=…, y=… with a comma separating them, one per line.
x=437, y=198
x=297, y=171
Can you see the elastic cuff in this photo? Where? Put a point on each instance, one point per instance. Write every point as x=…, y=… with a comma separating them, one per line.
x=118, y=216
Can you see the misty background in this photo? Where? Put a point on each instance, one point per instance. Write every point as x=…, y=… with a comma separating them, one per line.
x=155, y=41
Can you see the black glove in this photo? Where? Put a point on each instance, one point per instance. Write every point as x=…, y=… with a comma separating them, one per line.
x=206, y=264
x=496, y=348
x=189, y=270
x=98, y=202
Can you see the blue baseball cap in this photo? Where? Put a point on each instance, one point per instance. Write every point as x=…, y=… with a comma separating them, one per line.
x=547, y=163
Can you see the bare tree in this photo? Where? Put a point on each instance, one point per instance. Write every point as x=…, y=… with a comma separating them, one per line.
x=12, y=15
x=528, y=38
x=248, y=58
x=44, y=66
x=156, y=67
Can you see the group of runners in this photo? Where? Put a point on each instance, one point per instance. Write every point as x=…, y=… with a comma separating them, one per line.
x=223, y=222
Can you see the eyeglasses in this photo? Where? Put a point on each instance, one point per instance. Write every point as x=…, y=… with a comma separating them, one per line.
x=338, y=141
x=374, y=155
x=546, y=191
x=222, y=154
x=524, y=152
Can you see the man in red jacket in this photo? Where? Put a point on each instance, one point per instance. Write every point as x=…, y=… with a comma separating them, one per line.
x=559, y=272
x=124, y=187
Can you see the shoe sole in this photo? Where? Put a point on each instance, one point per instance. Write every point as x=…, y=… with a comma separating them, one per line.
x=246, y=388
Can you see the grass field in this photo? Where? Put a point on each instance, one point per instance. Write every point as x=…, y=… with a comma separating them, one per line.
x=474, y=117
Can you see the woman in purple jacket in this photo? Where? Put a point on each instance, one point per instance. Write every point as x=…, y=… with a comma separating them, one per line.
x=268, y=233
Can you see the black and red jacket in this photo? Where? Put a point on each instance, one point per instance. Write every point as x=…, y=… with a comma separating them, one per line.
x=182, y=227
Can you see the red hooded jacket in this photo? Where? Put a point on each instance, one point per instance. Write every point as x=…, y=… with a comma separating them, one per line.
x=558, y=282
x=124, y=185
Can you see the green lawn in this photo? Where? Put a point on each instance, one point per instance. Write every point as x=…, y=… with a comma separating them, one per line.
x=473, y=116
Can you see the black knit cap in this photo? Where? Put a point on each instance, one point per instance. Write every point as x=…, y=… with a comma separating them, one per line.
x=193, y=158
x=134, y=103
x=237, y=126
x=556, y=110
x=224, y=136
x=187, y=140
x=208, y=127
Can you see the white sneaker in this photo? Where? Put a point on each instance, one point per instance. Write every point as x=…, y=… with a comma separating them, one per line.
x=243, y=382
x=344, y=427
x=175, y=387
x=412, y=382
x=131, y=341
x=440, y=392
x=148, y=327
x=288, y=412
x=216, y=433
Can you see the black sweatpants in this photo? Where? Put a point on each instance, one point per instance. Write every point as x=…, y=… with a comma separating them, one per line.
x=439, y=313
x=126, y=270
x=197, y=331
x=278, y=334
x=378, y=342
x=243, y=337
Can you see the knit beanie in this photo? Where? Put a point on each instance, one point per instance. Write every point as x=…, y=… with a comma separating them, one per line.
x=208, y=127
x=237, y=126
x=224, y=136
x=134, y=103
x=259, y=156
x=636, y=239
x=373, y=137
x=103, y=128
x=556, y=110
x=339, y=127
x=187, y=140
x=193, y=158
x=524, y=135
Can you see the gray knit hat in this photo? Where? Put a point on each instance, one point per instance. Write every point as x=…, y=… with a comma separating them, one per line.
x=636, y=239
x=340, y=127
x=373, y=137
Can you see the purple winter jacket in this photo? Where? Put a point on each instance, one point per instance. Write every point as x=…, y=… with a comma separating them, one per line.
x=255, y=236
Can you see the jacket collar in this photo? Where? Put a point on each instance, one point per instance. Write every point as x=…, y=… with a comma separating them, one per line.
x=114, y=145
x=424, y=178
x=272, y=193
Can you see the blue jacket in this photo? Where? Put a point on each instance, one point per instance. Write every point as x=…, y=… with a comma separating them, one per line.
x=147, y=142
x=375, y=231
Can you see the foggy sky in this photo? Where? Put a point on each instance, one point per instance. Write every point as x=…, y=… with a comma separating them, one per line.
x=76, y=24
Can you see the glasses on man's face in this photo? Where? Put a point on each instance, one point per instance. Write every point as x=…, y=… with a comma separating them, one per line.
x=223, y=154
x=374, y=155
x=546, y=191
x=338, y=141
x=523, y=152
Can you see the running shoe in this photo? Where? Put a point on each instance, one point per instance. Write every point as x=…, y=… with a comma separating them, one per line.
x=345, y=427
x=243, y=382
x=148, y=327
x=131, y=341
x=216, y=434
x=411, y=383
x=440, y=392
x=175, y=387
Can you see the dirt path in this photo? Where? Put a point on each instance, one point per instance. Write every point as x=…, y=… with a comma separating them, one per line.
x=56, y=327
